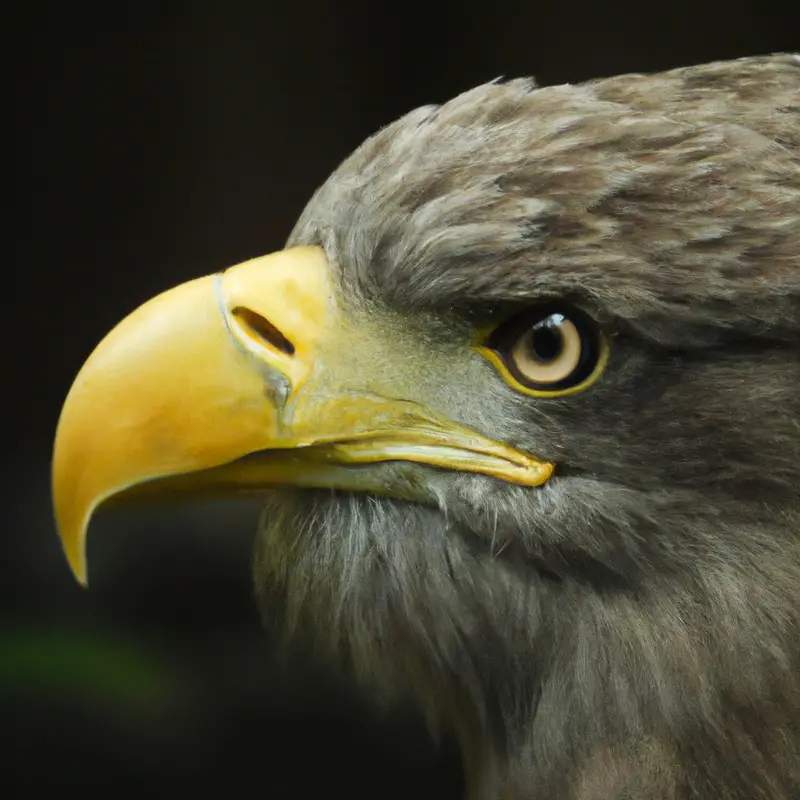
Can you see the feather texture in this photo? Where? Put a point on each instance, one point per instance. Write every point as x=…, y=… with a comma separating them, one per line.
x=632, y=629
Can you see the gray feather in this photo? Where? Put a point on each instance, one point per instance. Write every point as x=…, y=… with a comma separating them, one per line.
x=632, y=629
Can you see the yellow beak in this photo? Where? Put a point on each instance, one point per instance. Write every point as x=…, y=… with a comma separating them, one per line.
x=221, y=385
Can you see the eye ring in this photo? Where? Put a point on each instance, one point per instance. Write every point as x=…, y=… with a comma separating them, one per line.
x=548, y=351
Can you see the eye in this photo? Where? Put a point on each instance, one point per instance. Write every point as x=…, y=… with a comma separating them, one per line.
x=548, y=351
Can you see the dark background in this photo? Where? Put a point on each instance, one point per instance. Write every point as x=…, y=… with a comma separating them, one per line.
x=153, y=145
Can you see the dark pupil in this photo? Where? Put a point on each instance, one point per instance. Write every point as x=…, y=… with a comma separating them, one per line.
x=546, y=341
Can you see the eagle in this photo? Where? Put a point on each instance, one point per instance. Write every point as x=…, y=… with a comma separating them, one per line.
x=522, y=397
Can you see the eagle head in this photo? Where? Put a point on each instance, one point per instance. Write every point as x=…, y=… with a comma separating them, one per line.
x=522, y=395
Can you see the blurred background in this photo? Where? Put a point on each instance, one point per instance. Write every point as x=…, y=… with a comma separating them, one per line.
x=153, y=144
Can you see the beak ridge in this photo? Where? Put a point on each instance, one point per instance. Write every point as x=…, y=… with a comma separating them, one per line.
x=172, y=389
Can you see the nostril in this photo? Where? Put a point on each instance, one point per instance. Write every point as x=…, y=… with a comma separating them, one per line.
x=263, y=329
